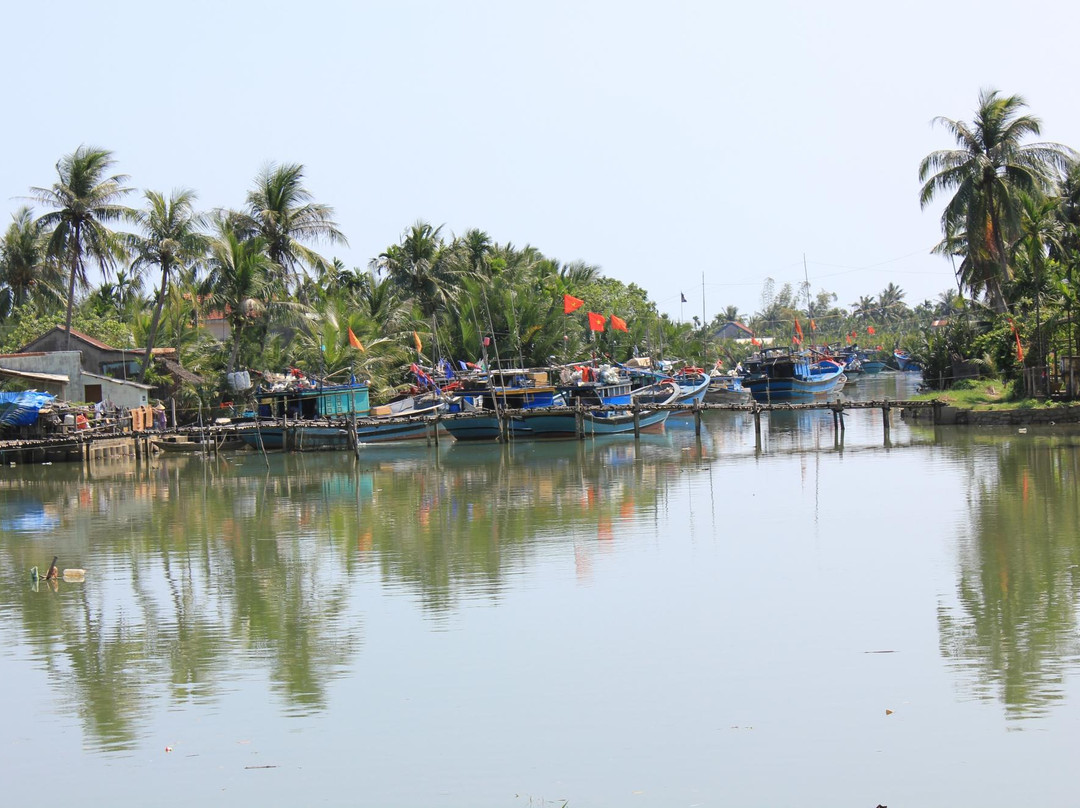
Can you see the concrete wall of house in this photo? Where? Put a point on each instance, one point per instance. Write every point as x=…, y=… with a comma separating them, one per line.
x=62, y=363
x=69, y=363
x=119, y=394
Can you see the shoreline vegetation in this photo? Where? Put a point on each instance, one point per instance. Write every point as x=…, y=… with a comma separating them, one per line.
x=252, y=287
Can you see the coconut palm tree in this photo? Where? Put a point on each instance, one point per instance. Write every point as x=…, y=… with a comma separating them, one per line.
x=985, y=175
x=864, y=308
x=171, y=239
x=281, y=211
x=84, y=201
x=26, y=274
x=1041, y=232
x=240, y=277
x=890, y=303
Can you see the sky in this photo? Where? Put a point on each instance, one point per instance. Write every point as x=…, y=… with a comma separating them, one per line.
x=691, y=148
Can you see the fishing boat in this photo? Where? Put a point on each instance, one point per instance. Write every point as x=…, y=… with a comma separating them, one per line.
x=305, y=413
x=596, y=420
x=693, y=386
x=727, y=389
x=476, y=410
x=905, y=361
x=778, y=374
x=186, y=444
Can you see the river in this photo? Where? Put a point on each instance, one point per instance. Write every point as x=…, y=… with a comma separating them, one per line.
x=812, y=620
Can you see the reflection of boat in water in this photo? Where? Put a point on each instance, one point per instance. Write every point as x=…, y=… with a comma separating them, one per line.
x=777, y=374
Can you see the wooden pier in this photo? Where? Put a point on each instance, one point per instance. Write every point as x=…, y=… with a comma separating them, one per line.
x=90, y=447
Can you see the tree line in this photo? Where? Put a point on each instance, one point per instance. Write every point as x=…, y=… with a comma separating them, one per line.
x=1011, y=226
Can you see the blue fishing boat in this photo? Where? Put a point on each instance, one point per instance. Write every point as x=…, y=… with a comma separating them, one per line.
x=693, y=386
x=778, y=375
x=905, y=361
x=567, y=422
x=478, y=403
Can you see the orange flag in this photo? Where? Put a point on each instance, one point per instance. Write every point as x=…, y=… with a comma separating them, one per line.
x=596, y=321
x=618, y=324
x=798, y=328
x=813, y=325
x=571, y=303
x=416, y=339
x=1016, y=334
x=870, y=330
x=353, y=341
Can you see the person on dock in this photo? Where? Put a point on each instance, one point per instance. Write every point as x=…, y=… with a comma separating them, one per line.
x=52, y=574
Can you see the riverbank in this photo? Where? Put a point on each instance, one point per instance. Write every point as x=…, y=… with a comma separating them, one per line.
x=988, y=403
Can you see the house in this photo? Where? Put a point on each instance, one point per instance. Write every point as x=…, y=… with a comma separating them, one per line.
x=61, y=373
x=91, y=371
x=740, y=333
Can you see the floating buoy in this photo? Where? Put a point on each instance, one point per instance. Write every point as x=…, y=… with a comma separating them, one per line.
x=74, y=576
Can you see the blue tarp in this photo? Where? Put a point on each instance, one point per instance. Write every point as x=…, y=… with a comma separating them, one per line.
x=21, y=409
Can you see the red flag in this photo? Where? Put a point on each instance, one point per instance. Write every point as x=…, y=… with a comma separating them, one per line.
x=353, y=341
x=618, y=324
x=813, y=325
x=870, y=330
x=798, y=328
x=571, y=303
x=755, y=341
x=416, y=339
x=1016, y=335
x=596, y=321
x=796, y=340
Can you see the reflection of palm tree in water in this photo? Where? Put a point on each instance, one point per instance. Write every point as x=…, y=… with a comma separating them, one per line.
x=1015, y=624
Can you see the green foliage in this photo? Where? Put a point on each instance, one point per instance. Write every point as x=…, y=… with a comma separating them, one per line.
x=25, y=326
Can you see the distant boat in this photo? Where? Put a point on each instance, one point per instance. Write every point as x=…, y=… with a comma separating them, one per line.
x=777, y=374
x=872, y=366
x=905, y=361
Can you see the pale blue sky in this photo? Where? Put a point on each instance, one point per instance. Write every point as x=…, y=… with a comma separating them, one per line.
x=658, y=141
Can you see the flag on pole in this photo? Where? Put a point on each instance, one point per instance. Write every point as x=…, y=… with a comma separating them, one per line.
x=354, y=342
x=870, y=330
x=596, y=321
x=813, y=325
x=682, y=297
x=1016, y=336
x=571, y=303
x=618, y=324
x=416, y=339
x=798, y=328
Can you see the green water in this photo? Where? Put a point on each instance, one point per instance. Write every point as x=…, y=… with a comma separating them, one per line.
x=678, y=621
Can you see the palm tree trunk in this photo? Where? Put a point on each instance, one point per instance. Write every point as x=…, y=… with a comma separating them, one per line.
x=236, y=348
x=71, y=287
x=152, y=336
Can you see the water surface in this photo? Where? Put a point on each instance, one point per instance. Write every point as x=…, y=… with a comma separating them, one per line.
x=684, y=620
